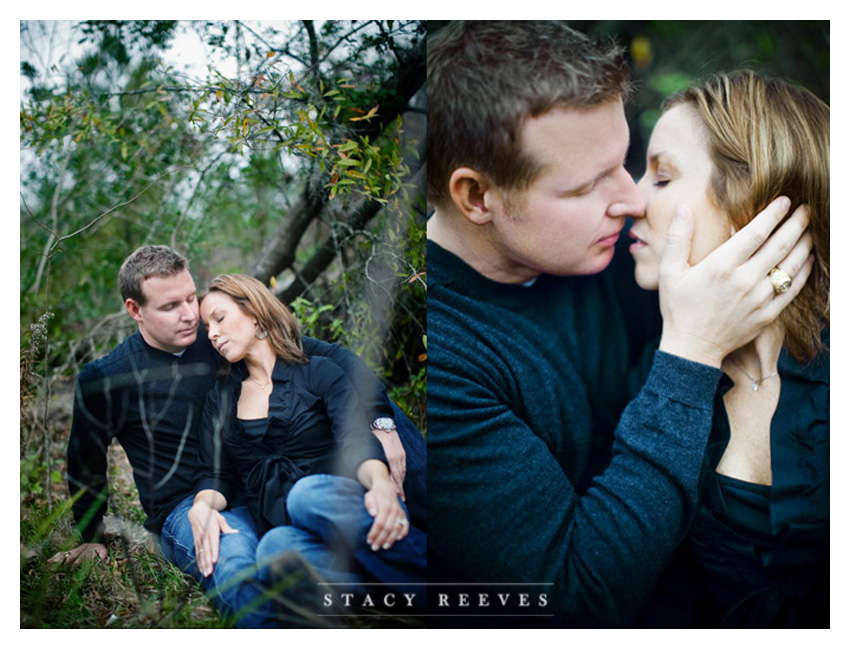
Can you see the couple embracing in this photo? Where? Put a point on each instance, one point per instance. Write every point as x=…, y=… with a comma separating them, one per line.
x=636, y=470
x=270, y=465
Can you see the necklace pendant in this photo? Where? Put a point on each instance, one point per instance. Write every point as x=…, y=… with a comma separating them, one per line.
x=755, y=386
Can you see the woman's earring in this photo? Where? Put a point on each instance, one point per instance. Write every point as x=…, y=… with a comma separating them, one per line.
x=262, y=335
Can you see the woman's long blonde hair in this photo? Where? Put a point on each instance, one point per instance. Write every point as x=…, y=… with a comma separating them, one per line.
x=767, y=139
x=258, y=302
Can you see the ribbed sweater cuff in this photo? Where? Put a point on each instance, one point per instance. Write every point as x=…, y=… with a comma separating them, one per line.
x=682, y=380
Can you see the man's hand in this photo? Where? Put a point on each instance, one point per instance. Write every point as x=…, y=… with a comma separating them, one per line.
x=396, y=456
x=81, y=553
x=207, y=527
x=723, y=302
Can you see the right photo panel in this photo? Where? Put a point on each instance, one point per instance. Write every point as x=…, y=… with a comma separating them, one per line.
x=628, y=324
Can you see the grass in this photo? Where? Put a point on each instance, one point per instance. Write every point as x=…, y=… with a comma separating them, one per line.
x=134, y=588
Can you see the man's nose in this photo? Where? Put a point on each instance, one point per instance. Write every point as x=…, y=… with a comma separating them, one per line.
x=188, y=312
x=631, y=201
x=642, y=187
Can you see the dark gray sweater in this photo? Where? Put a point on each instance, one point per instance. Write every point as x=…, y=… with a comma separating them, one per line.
x=531, y=479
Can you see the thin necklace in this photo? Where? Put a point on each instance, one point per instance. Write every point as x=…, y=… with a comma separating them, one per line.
x=262, y=385
x=756, y=382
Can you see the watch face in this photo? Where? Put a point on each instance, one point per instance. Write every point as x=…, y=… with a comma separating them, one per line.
x=383, y=423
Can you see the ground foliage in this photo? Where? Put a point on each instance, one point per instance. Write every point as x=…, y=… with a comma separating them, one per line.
x=291, y=153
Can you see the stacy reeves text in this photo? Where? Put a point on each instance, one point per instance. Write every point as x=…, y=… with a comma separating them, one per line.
x=489, y=599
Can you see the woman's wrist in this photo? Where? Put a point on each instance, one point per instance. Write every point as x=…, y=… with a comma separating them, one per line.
x=692, y=348
x=210, y=498
x=372, y=471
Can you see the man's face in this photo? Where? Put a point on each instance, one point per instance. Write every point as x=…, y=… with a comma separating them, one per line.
x=570, y=217
x=169, y=318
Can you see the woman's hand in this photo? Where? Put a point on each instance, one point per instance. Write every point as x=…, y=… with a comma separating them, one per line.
x=720, y=304
x=207, y=526
x=396, y=456
x=382, y=503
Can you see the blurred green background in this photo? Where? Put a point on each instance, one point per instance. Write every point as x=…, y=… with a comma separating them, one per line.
x=669, y=55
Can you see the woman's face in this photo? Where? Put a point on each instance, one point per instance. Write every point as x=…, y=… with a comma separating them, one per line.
x=678, y=171
x=231, y=331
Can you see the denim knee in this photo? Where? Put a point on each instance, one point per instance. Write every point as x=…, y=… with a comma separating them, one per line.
x=276, y=541
x=321, y=494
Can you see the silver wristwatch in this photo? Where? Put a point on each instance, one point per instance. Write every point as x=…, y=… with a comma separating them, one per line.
x=384, y=424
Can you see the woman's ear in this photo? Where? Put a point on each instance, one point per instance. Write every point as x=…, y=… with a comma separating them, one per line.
x=472, y=195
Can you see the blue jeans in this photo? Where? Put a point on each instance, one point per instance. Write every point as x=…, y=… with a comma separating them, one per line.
x=233, y=586
x=329, y=528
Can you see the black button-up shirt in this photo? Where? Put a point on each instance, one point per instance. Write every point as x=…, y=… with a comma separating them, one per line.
x=316, y=424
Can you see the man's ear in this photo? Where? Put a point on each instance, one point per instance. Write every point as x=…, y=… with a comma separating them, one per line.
x=472, y=195
x=134, y=309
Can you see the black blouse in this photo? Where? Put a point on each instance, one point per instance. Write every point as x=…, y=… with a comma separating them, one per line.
x=799, y=450
x=758, y=556
x=316, y=424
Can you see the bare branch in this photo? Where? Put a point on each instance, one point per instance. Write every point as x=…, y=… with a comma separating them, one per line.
x=118, y=206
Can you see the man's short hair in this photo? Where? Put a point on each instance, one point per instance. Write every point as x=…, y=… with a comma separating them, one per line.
x=485, y=78
x=148, y=261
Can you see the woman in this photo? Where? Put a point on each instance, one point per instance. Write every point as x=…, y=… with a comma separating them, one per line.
x=288, y=433
x=758, y=553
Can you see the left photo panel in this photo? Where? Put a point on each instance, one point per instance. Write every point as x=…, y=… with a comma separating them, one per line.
x=223, y=324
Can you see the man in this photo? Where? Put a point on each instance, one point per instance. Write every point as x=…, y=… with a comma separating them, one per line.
x=537, y=493
x=149, y=394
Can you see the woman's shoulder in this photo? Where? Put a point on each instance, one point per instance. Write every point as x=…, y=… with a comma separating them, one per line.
x=812, y=371
x=321, y=367
x=316, y=369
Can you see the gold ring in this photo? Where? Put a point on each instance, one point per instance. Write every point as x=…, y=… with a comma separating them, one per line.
x=780, y=280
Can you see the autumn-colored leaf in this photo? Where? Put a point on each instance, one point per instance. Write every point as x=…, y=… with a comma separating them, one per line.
x=373, y=112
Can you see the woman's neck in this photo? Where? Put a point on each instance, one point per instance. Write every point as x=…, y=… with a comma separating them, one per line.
x=260, y=363
x=758, y=360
